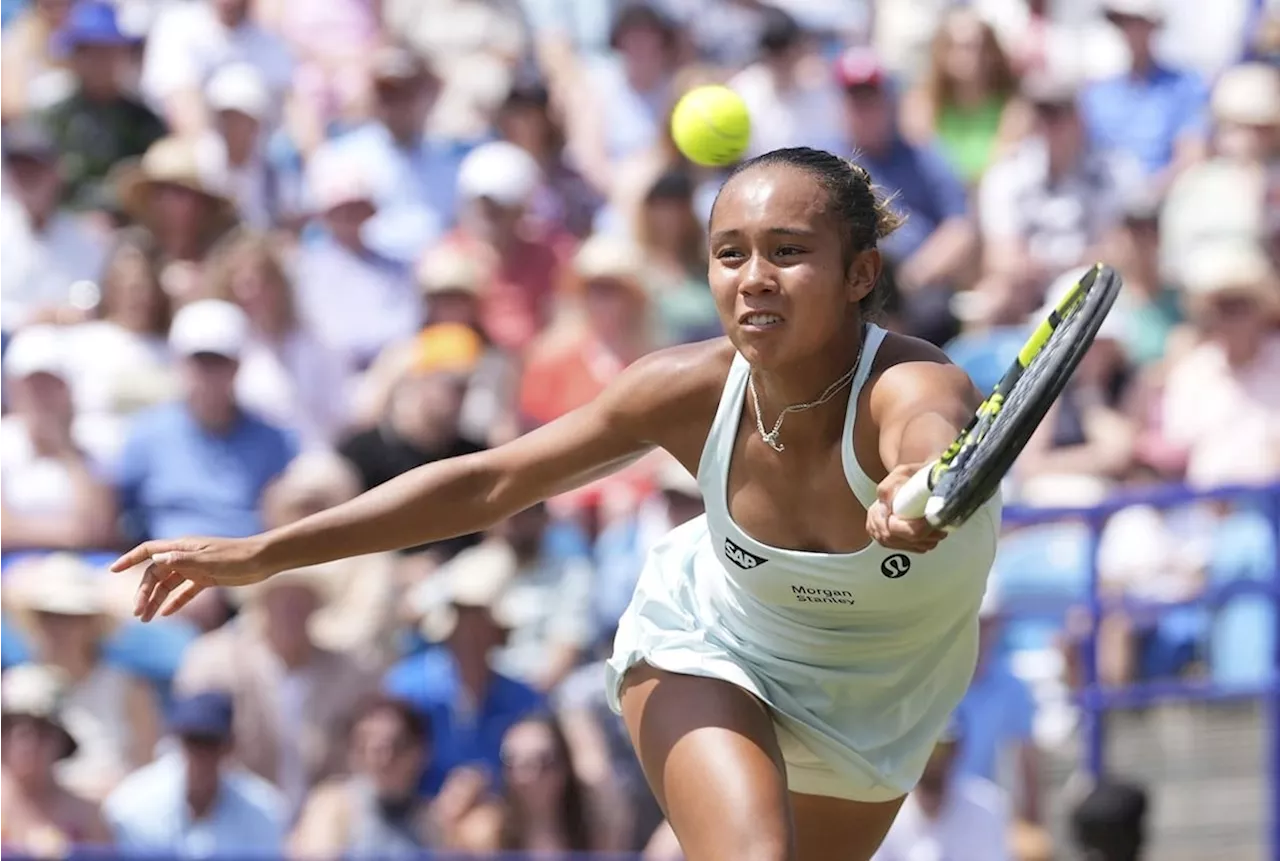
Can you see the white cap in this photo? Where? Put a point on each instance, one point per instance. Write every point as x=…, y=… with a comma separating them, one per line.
x=209, y=326
x=1248, y=94
x=500, y=171
x=336, y=178
x=239, y=87
x=36, y=350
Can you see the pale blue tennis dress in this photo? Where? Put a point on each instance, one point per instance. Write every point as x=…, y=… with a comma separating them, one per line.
x=861, y=656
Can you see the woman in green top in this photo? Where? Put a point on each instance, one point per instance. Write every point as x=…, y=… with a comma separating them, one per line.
x=965, y=101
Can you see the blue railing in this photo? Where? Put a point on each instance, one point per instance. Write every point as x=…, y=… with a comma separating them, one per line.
x=1096, y=700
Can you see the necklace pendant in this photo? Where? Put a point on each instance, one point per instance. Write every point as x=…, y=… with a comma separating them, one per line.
x=772, y=440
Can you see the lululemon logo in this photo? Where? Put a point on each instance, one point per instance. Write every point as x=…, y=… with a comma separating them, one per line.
x=895, y=566
x=740, y=557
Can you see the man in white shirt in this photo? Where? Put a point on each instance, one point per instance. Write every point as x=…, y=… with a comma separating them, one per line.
x=44, y=251
x=949, y=817
x=189, y=803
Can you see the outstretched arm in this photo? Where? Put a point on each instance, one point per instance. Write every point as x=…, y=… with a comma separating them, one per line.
x=437, y=501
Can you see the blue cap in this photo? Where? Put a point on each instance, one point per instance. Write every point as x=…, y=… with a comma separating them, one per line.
x=207, y=715
x=91, y=22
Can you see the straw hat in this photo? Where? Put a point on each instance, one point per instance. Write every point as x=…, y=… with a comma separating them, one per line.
x=1232, y=266
x=479, y=577
x=448, y=268
x=322, y=580
x=174, y=161
x=37, y=691
x=61, y=584
x=604, y=255
x=1248, y=94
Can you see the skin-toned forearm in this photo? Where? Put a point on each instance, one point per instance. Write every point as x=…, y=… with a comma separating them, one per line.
x=431, y=503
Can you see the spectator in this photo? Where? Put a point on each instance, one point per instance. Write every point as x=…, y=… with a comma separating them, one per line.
x=1046, y=207
x=948, y=815
x=54, y=491
x=62, y=607
x=199, y=466
x=414, y=169
x=190, y=803
x=565, y=201
x=477, y=55
x=936, y=243
x=620, y=110
x=31, y=70
x=451, y=283
x=497, y=184
x=421, y=421
x=98, y=124
x=375, y=812
x=551, y=589
x=790, y=96
x=291, y=694
x=178, y=193
x=968, y=100
x=573, y=362
x=1109, y=824
x=188, y=42
x=339, y=264
x=333, y=45
x=118, y=362
x=470, y=706
x=673, y=246
x=240, y=110
x=1221, y=407
x=1150, y=307
x=1171, y=136
x=287, y=374
x=365, y=589
x=42, y=818
x=46, y=251
x=542, y=809
x=1226, y=197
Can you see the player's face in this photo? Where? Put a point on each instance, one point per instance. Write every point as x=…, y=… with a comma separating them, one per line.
x=778, y=267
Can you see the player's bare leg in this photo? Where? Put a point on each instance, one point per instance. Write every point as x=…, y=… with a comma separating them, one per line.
x=711, y=756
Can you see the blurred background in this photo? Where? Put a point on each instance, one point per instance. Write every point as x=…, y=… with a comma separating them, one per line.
x=262, y=255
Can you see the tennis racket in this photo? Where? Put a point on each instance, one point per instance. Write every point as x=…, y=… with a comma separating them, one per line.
x=948, y=491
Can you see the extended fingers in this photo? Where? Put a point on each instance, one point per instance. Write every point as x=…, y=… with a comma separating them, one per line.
x=156, y=586
x=185, y=594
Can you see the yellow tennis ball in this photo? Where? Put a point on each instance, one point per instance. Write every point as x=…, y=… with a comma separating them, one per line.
x=711, y=126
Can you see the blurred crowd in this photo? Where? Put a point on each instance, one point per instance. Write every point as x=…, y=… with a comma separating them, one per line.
x=262, y=255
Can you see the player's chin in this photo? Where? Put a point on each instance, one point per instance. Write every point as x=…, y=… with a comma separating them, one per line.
x=763, y=346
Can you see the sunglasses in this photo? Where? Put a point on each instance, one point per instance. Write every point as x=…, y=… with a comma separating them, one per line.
x=540, y=762
x=1233, y=306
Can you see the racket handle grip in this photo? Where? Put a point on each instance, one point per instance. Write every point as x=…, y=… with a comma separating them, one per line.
x=910, y=501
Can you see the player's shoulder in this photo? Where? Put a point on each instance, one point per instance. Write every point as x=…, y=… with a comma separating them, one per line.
x=907, y=366
x=683, y=374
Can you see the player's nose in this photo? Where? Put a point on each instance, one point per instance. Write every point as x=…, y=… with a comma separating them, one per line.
x=757, y=276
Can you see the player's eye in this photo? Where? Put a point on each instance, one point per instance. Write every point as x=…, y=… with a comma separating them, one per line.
x=789, y=251
x=729, y=254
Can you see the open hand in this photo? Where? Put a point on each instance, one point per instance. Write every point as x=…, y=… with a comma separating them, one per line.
x=896, y=533
x=185, y=567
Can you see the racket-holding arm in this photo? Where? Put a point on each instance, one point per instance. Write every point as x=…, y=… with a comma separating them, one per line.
x=914, y=499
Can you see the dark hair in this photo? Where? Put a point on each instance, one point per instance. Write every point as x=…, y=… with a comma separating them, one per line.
x=415, y=723
x=1109, y=824
x=573, y=810
x=864, y=212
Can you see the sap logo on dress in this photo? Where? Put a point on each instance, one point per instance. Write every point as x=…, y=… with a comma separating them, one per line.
x=740, y=557
x=895, y=566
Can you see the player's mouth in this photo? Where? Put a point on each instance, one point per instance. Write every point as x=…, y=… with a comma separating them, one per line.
x=759, y=321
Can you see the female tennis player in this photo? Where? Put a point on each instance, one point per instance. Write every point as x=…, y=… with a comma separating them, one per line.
x=789, y=658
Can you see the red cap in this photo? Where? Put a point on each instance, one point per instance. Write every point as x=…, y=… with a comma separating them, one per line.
x=859, y=67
